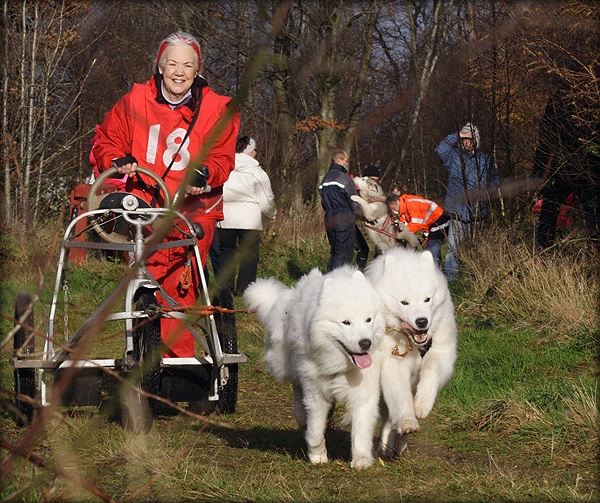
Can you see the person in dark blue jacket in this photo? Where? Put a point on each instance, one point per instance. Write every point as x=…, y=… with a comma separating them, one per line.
x=472, y=176
x=340, y=222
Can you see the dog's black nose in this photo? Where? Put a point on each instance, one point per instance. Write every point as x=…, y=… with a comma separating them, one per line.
x=364, y=344
x=421, y=323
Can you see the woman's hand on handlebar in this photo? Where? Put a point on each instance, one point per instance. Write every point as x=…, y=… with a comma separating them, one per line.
x=194, y=191
x=125, y=165
x=198, y=184
x=127, y=169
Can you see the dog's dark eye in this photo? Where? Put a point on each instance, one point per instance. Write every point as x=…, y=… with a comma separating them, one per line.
x=369, y=320
x=427, y=299
x=404, y=302
x=346, y=322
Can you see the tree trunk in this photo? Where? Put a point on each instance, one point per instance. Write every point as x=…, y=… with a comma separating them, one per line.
x=6, y=212
x=424, y=72
x=361, y=77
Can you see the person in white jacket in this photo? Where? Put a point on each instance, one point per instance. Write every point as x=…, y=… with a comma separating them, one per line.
x=248, y=201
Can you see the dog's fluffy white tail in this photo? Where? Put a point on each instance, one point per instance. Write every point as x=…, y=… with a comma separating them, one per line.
x=262, y=295
x=269, y=298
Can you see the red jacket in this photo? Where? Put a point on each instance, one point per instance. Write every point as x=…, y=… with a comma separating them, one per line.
x=418, y=213
x=148, y=129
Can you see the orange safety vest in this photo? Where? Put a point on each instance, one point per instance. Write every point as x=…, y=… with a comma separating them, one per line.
x=418, y=213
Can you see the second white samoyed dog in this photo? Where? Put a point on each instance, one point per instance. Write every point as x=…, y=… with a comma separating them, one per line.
x=419, y=346
x=321, y=336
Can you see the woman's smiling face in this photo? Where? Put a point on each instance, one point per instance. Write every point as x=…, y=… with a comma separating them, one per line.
x=178, y=66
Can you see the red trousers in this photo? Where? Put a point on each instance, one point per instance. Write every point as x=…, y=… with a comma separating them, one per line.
x=167, y=267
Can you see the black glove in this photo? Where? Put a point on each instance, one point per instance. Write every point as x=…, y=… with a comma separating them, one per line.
x=121, y=161
x=200, y=176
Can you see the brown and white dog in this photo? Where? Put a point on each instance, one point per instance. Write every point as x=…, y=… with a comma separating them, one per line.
x=380, y=226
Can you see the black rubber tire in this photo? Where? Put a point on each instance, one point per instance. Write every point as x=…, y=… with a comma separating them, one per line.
x=138, y=411
x=227, y=330
x=24, y=378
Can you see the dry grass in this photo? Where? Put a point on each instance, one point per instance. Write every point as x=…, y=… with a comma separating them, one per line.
x=506, y=416
x=294, y=244
x=582, y=413
x=554, y=292
x=295, y=228
x=35, y=251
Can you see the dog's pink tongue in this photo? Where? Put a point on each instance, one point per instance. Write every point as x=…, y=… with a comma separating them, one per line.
x=363, y=361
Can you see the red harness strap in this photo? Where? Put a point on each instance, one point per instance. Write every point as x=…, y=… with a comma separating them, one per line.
x=382, y=229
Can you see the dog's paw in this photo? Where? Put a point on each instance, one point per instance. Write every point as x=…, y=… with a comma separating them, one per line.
x=361, y=463
x=357, y=199
x=398, y=445
x=408, y=425
x=318, y=457
x=423, y=406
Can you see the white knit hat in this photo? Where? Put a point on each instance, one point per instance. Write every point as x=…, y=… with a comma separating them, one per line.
x=469, y=130
x=250, y=148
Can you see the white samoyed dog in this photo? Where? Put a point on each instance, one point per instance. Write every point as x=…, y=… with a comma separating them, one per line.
x=419, y=346
x=380, y=227
x=321, y=336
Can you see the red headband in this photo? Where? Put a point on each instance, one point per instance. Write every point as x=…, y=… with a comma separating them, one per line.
x=166, y=44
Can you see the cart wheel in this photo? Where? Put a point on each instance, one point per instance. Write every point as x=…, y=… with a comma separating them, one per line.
x=138, y=411
x=24, y=378
x=227, y=331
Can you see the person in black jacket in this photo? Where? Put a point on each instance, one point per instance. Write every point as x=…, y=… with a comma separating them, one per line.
x=340, y=223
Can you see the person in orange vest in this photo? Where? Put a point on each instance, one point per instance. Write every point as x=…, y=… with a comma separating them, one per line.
x=416, y=213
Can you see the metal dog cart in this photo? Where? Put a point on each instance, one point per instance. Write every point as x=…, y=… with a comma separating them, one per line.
x=210, y=378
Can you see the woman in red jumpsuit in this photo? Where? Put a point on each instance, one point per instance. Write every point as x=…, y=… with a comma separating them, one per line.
x=149, y=126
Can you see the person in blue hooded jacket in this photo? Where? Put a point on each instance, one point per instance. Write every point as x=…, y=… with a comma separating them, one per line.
x=472, y=177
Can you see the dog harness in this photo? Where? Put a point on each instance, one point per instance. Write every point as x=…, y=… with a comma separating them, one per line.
x=382, y=228
x=395, y=350
x=371, y=225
